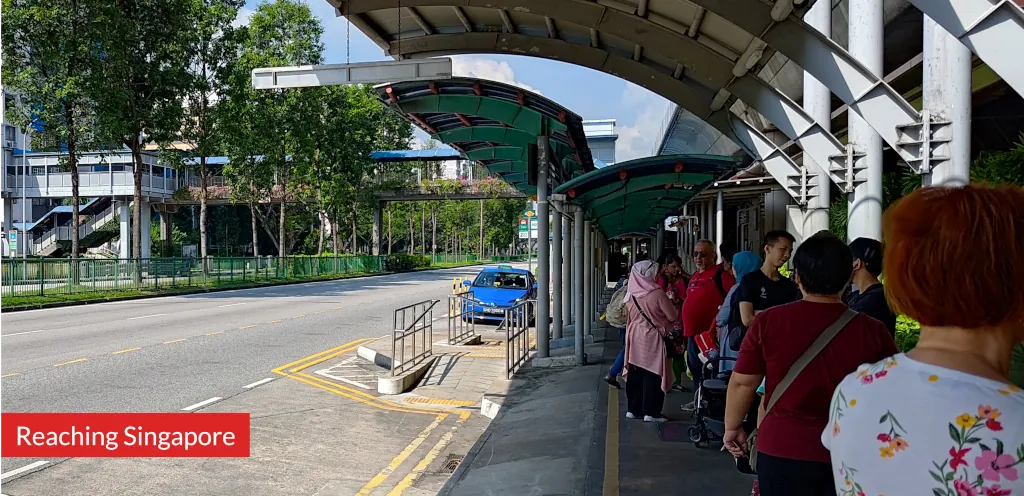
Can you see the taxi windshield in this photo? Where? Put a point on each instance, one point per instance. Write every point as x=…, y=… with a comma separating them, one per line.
x=504, y=280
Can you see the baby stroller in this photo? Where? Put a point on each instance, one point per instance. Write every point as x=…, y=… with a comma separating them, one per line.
x=709, y=399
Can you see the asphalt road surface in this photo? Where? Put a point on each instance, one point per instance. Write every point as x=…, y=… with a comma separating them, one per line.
x=171, y=354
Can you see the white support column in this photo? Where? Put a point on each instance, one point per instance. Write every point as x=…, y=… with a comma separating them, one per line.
x=543, y=251
x=818, y=104
x=659, y=241
x=947, y=96
x=6, y=219
x=577, y=288
x=587, y=317
x=556, y=277
x=567, y=272
x=719, y=224
x=124, y=243
x=865, y=203
x=147, y=241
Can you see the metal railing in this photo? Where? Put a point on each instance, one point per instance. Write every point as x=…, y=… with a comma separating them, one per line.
x=518, y=320
x=461, y=317
x=42, y=277
x=415, y=323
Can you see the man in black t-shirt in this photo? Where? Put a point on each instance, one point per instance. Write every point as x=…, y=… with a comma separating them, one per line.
x=869, y=297
x=766, y=288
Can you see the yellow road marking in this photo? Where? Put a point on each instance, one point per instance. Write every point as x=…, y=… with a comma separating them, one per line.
x=175, y=341
x=298, y=316
x=396, y=461
x=273, y=321
x=9, y=375
x=125, y=351
x=215, y=333
x=80, y=360
x=611, y=447
x=346, y=346
x=247, y=327
x=421, y=467
x=437, y=401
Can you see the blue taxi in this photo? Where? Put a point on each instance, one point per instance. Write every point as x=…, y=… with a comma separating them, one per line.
x=497, y=289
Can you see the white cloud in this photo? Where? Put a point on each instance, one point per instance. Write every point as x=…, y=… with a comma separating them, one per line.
x=639, y=138
x=244, y=16
x=481, y=67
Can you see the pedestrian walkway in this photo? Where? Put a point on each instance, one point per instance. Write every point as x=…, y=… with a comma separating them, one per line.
x=563, y=431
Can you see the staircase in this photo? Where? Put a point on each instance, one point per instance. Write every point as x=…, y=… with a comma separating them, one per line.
x=90, y=234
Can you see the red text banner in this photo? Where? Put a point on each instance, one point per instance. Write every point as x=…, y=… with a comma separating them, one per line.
x=117, y=435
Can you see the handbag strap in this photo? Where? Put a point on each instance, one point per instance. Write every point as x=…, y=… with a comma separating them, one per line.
x=809, y=355
x=648, y=319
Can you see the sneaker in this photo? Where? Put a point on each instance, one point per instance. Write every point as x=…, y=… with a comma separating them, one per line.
x=630, y=415
x=612, y=381
x=659, y=418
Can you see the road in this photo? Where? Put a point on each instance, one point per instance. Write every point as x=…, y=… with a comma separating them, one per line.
x=173, y=353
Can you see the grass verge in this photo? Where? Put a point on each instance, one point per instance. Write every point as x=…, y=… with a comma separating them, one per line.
x=26, y=302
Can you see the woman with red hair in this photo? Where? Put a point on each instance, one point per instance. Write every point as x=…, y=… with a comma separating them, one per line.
x=943, y=418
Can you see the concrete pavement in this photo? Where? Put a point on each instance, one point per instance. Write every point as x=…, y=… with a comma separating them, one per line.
x=213, y=352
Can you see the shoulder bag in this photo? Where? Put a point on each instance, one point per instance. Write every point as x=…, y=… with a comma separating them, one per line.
x=675, y=345
x=798, y=366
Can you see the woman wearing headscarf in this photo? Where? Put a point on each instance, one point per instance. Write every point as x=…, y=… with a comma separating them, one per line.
x=743, y=263
x=650, y=316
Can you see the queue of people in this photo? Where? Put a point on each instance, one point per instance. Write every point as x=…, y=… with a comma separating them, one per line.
x=820, y=399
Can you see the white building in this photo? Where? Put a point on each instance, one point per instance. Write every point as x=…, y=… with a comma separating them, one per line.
x=601, y=139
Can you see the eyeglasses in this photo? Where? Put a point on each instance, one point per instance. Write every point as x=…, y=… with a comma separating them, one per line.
x=700, y=254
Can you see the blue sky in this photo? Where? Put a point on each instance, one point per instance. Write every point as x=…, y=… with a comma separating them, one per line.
x=593, y=95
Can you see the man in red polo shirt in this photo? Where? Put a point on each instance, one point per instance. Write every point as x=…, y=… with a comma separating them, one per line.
x=704, y=296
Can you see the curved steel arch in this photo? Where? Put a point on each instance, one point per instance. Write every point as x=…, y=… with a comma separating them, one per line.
x=695, y=62
x=987, y=28
x=688, y=95
x=867, y=94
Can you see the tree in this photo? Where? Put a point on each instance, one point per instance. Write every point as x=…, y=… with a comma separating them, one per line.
x=49, y=60
x=145, y=46
x=281, y=33
x=208, y=64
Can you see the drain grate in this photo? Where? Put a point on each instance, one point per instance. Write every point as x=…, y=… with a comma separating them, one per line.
x=451, y=462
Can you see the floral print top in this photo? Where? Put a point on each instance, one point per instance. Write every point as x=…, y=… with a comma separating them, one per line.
x=904, y=428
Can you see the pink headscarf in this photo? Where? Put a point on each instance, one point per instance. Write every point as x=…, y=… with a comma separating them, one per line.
x=642, y=279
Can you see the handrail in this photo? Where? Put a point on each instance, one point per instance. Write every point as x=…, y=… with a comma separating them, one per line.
x=517, y=340
x=420, y=329
x=461, y=317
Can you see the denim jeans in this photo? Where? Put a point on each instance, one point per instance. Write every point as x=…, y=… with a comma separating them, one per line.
x=617, y=366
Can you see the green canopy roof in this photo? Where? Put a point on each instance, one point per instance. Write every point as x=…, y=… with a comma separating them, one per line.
x=633, y=197
x=493, y=123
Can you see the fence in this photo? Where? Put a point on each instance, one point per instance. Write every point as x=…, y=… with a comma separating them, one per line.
x=415, y=323
x=41, y=277
x=518, y=320
x=461, y=317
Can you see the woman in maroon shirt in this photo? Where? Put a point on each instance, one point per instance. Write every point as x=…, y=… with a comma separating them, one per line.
x=791, y=459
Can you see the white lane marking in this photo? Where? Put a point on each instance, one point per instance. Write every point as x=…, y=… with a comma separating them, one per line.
x=147, y=316
x=202, y=404
x=20, y=333
x=257, y=383
x=354, y=383
x=26, y=468
x=231, y=305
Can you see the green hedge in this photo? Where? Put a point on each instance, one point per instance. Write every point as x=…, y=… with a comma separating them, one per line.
x=400, y=262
